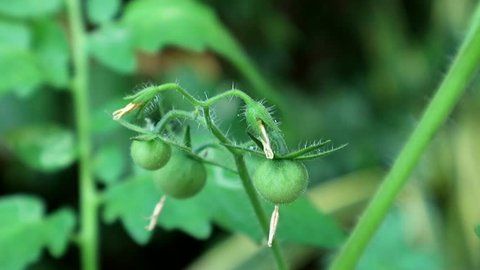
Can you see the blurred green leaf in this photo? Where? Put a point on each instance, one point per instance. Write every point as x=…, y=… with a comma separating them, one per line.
x=109, y=163
x=191, y=25
x=24, y=231
x=52, y=51
x=29, y=8
x=477, y=230
x=43, y=147
x=14, y=34
x=58, y=228
x=184, y=23
x=112, y=46
x=391, y=246
x=31, y=55
x=133, y=201
x=18, y=68
x=301, y=222
x=101, y=11
x=154, y=24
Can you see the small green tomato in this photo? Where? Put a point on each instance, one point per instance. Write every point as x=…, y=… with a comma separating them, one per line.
x=281, y=181
x=182, y=177
x=150, y=154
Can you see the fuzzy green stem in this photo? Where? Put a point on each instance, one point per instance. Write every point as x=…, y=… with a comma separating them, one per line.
x=171, y=115
x=449, y=92
x=88, y=204
x=249, y=188
x=149, y=93
x=258, y=209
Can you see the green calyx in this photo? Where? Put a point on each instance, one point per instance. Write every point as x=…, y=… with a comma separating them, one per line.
x=256, y=113
x=280, y=181
x=182, y=177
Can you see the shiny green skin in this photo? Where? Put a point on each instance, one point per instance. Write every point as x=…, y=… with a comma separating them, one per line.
x=182, y=177
x=280, y=181
x=150, y=155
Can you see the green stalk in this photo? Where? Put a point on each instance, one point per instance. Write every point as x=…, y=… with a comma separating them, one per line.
x=249, y=188
x=88, y=204
x=447, y=95
x=257, y=207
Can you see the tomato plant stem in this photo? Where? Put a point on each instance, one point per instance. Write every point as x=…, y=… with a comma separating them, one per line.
x=461, y=72
x=88, y=204
x=257, y=207
x=249, y=188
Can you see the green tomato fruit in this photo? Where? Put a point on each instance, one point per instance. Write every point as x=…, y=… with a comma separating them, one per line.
x=281, y=181
x=150, y=154
x=182, y=177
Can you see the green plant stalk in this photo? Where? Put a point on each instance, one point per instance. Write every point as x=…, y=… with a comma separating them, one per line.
x=88, y=203
x=257, y=207
x=250, y=189
x=447, y=95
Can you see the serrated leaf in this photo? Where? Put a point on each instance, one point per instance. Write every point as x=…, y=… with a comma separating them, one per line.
x=43, y=147
x=52, y=52
x=112, y=46
x=109, y=163
x=133, y=200
x=29, y=8
x=101, y=11
x=24, y=231
x=58, y=228
x=187, y=24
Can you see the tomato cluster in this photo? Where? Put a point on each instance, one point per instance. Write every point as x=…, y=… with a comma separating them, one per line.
x=177, y=173
x=182, y=177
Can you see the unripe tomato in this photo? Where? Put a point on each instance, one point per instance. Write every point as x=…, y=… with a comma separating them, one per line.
x=281, y=181
x=150, y=154
x=182, y=177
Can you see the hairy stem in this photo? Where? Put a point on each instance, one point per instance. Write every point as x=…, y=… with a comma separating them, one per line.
x=449, y=92
x=249, y=188
x=88, y=205
x=149, y=93
x=257, y=207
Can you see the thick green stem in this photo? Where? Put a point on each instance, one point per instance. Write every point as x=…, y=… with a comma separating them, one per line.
x=88, y=203
x=454, y=84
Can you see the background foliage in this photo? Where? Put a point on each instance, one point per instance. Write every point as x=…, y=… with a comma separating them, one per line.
x=355, y=72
